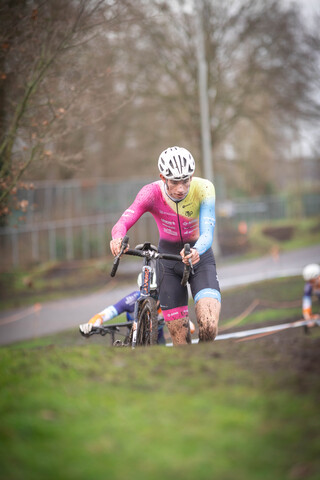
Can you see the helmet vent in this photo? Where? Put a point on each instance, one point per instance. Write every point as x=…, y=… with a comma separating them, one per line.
x=176, y=162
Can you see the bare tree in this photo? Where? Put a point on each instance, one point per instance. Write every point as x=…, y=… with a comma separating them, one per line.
x=51, y=86
x=85, y=86
x=262, y=63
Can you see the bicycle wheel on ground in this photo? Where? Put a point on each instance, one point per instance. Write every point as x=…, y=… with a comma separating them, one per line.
x=147, y=333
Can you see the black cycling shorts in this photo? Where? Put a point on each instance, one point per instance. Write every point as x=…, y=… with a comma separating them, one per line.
x=169, y=274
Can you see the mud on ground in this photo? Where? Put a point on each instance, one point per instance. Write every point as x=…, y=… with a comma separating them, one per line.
x=293, y=352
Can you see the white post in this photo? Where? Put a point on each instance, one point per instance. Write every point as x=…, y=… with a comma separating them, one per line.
x=204, y=105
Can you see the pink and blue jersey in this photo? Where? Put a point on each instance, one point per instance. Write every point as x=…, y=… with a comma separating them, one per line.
x=190, y=220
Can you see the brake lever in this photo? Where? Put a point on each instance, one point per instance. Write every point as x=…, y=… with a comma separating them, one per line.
x=187, y=268
x=116, y=261
x=187, y=250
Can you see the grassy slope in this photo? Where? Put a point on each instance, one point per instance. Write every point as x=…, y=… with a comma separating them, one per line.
x=305, y=232
x=206, y=411
x=51, y=281
x=278, y=300
x=74, y=409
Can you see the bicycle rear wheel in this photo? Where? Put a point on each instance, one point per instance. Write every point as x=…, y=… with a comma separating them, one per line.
x=147, y=331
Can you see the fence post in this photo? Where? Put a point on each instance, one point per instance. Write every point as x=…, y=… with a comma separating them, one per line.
x=15, y=249
x=47, y=202
x=101, y=243
x=52, y=243
x=69, y=242
x=35, y=245
x=85, y=242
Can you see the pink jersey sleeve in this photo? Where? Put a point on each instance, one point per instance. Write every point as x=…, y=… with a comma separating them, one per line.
x=142, y=203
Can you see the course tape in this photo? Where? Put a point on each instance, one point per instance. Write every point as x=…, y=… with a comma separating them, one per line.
x=262, y=330
x=20, y=315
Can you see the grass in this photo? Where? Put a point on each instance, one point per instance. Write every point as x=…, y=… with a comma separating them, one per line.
x=90, y=412
x=51, y=281
x=272, y=315
x=73, y=409
x=305, y=232
x=277, y=300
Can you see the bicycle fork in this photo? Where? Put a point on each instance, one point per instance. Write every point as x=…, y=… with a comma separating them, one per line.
x=145, y=292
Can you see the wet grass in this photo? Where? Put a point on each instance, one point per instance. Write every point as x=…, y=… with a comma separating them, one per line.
x=72, y=408
x=52, y=281
x=272, y=300
x=305, y=232
x=206, y=411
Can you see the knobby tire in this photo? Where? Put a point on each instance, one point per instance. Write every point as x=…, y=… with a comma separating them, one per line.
x=147, y=333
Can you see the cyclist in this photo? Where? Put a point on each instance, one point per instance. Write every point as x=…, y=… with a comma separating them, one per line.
x=125, y=305
x=311, y=275
x=184, y=209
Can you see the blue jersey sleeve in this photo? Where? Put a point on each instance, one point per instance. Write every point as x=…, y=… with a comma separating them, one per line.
x=126, y=304
x=207, y=221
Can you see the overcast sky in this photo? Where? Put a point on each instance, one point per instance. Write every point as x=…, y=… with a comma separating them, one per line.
x=308, y=143
x=308, y=7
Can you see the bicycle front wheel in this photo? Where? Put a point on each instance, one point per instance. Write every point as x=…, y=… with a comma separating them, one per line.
x=147, y=328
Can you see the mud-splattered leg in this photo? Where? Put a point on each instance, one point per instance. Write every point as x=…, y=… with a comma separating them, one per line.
x=180, y=331
x=207, y=312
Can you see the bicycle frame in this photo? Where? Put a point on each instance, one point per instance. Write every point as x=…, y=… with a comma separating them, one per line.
x=148, y=287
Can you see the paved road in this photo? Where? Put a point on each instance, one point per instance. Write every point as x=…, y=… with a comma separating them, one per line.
x=51, y=317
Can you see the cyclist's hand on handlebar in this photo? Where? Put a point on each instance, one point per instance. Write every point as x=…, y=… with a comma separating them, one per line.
x=85, y=328
x=193, y=255
x=95, y=321
x=115, y=246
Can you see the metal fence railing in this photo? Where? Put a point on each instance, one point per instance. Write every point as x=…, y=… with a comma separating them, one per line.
x=73, y=220
x=71, y=239
x=49, y=201
x=271, y=207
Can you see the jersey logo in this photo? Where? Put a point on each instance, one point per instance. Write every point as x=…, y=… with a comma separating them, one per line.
x=188, y=213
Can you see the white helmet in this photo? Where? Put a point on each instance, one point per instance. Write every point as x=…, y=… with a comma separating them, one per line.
x=176, y=163
x=311, y=271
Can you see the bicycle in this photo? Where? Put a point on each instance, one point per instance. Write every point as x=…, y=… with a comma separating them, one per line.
x=143, y=330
